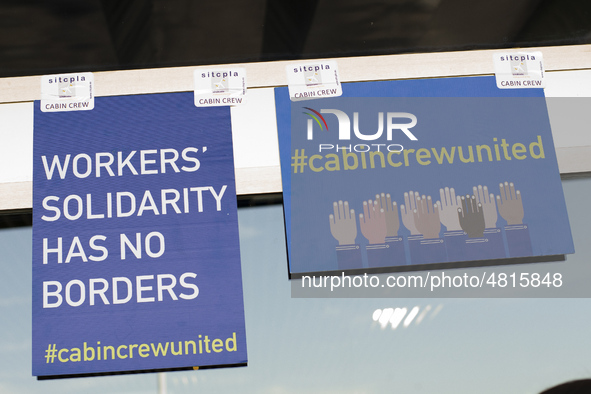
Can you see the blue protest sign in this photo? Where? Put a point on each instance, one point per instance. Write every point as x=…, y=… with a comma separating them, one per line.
x=406, y=174
x=136, y=261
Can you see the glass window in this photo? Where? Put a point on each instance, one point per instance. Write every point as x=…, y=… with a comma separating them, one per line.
x=342, y=345
x=41, y=37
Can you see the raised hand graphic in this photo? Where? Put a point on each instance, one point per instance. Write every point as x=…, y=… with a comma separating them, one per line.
x=373, y=222
x=448, y=209
x=343, y=226
x=471, y=217
x=384, y=201
x=489, y=207
x=406, y=211
x=426, y=217
x=509, y=203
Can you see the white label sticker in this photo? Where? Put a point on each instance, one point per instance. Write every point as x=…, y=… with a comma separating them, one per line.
x=518, y=70
x=216, y=87
x=67, y=92
x=313, y=80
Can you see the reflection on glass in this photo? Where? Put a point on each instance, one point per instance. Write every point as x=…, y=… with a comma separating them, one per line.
x=413, y=313
x=395, y=316
x=423, y=314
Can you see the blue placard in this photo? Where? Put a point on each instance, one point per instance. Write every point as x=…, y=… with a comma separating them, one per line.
x=136, y=260
x=402, y=174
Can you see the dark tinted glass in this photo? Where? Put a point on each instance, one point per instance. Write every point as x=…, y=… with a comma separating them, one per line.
x=39, y=37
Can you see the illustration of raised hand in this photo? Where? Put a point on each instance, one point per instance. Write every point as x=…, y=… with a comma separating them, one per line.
x=510, y=204
x=448, y=209
x=489, y=207
x=426, y=217
x=406, y=211
x=390, y=212
x=471, y=217
x=342, y=223
x=373, y=222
